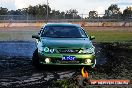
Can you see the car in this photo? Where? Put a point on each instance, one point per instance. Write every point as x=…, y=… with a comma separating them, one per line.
x=63, y=44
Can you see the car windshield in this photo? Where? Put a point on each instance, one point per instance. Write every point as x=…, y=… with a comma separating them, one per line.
x=63, y=32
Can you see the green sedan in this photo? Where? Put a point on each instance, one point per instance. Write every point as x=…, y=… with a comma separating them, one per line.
x=63, y=44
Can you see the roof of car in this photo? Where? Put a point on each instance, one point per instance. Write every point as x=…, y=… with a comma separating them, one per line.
x=62, y=24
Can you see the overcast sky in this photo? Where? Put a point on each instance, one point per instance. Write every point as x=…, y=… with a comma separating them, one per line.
x=83, y=6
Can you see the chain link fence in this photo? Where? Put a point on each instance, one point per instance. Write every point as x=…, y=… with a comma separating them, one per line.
x=83, y=17
x=83, y=20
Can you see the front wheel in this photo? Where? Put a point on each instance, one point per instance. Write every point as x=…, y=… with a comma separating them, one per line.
x=35, y=59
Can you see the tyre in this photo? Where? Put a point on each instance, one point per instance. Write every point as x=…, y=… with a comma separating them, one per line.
x=35, y=59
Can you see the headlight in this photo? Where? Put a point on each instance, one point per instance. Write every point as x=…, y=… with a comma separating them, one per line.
x=88, y=50
x=46, y=49
x=47, y=60
x=88, y=61
x=52, y=50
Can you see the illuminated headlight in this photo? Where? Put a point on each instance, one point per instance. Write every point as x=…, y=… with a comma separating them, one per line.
x=52, y=50
x=46, y=49
x=47, y=60
x=88, y=61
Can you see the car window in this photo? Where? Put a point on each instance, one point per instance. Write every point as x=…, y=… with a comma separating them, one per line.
x=63, y=32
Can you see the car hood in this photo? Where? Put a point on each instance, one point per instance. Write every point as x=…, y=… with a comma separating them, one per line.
x=66, y=42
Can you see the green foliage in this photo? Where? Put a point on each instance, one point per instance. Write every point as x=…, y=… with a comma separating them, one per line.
x=93, y=14
x=113, y=12
x=3, y=11
x=127, y=13
x=40, y=12
x=72, y=13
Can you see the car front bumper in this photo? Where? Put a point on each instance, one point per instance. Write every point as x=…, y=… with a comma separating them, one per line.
x=56, y=59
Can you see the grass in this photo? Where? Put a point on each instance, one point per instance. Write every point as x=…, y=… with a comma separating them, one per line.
x=106, y=34
x=111, y=36
x=16, y=35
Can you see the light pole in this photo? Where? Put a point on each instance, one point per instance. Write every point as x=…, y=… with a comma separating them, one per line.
x=27, y=15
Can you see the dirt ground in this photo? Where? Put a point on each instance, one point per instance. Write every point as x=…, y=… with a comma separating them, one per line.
x=114, y=61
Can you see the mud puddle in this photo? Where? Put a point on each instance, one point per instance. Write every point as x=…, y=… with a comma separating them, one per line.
x=114, y=61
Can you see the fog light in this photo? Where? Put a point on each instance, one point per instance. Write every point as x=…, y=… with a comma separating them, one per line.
x=87, y=61
x=47, y=60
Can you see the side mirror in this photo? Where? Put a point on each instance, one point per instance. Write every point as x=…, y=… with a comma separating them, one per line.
x=35, y=36
x=92, y=37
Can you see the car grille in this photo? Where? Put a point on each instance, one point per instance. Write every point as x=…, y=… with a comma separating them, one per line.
x=68, y=62
x=68, y=50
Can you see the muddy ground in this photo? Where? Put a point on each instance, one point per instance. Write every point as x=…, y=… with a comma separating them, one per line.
x=114, y=61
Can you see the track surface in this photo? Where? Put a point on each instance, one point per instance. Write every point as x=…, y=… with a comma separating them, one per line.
x=16, y=69
x=17, y=49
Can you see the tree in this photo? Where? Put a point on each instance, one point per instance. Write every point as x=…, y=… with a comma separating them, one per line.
x=38, y=11
x=32, y=10
x=93, y=14
x=127, y=13
x=3, y=11
x=72, y=14
x=114, y=9
x=62, y=14
x=113, y=12
x=15, y=12
x=55, y=14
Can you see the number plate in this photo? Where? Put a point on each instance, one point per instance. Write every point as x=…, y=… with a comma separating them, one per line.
x=68, y=58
